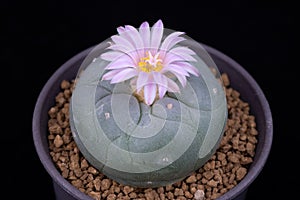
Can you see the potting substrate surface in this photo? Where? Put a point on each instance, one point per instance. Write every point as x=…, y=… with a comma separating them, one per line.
x=226, y=168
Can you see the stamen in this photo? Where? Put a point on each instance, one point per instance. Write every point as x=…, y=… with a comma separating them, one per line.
x=150, y=63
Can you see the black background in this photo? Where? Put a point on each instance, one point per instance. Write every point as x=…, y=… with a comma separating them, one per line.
x=38, y=37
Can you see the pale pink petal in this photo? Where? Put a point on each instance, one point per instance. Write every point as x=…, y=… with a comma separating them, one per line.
x=145, y=34
x=161, y=82
x=156, y=36
x=109, y=75
x=188, y=67
x=167, y=43
x=123, y=62
x=175, y=68
x=124, y=45
x=124, y=33
x=150, y=93
x=122, y=48
x=122, y=41
x=142, y=80
x=111, y=55
x=120, y=29
x=162, y=91
x=184, y=57
x=182, y=50
x=126, y=51
x=136, y=38
x=172, y=86
x=170, y=58
x=176, y=41
x=124, y=75
x=181, y=78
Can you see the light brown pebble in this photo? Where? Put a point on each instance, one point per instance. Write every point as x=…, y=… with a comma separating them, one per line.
x=95, y=195
x=178, y=192
x=188, y=195
x=199, y=195
x=55, y=129
x=170, y=195
x=169, y=187
x=84, y=164
x=240, y=173
x=225, y=79
x=105, y=184
x=160, y=190
x=212, y=183
x=127, y=189
x=58, y=141
x=151, y=195
x=133, y=195
x=215, y=195
x=162, y=196
x=77, y=183
x=111, y=197
x=65, y=84
x=208, y=175
x=97, y=184
x=234, y=158
x=92, y=170
x=193, y=190
x=191, y=179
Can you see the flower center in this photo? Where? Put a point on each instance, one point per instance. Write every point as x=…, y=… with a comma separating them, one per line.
x=150, y=63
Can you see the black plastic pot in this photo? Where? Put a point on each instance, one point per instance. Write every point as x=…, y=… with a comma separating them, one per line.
x=240, y=79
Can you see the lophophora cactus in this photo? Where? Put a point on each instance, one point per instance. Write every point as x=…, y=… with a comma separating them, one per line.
x=148, y=107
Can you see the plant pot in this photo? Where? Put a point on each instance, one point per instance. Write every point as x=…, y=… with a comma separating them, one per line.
x=240, y=81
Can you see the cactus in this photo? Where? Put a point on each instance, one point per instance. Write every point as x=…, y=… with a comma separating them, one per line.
x=148, y=140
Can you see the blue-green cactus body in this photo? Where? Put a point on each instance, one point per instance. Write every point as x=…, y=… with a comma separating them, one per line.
x=147, y=146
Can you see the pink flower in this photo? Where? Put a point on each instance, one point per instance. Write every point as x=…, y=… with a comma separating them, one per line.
x=150, y=63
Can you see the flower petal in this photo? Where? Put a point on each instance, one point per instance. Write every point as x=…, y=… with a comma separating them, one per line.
x=125, y=46
x=181, y=78
x=124, y=75
x=156, y=36
x=184, y=56
x=125, y=34
x=145, y=34
x=170, y=58
x=168, y=42
x=161, y=91
x=118, y=40
x=172, y=86
x=150, y=93
x=122, y=62
x=122, y=48
x=175, y=68
x=188, y=67
x=161, y=82
x=136, y=38
x=182, y=50
x=111, y=55
x=142, y=80
x=109, y=75
x=120, y=29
